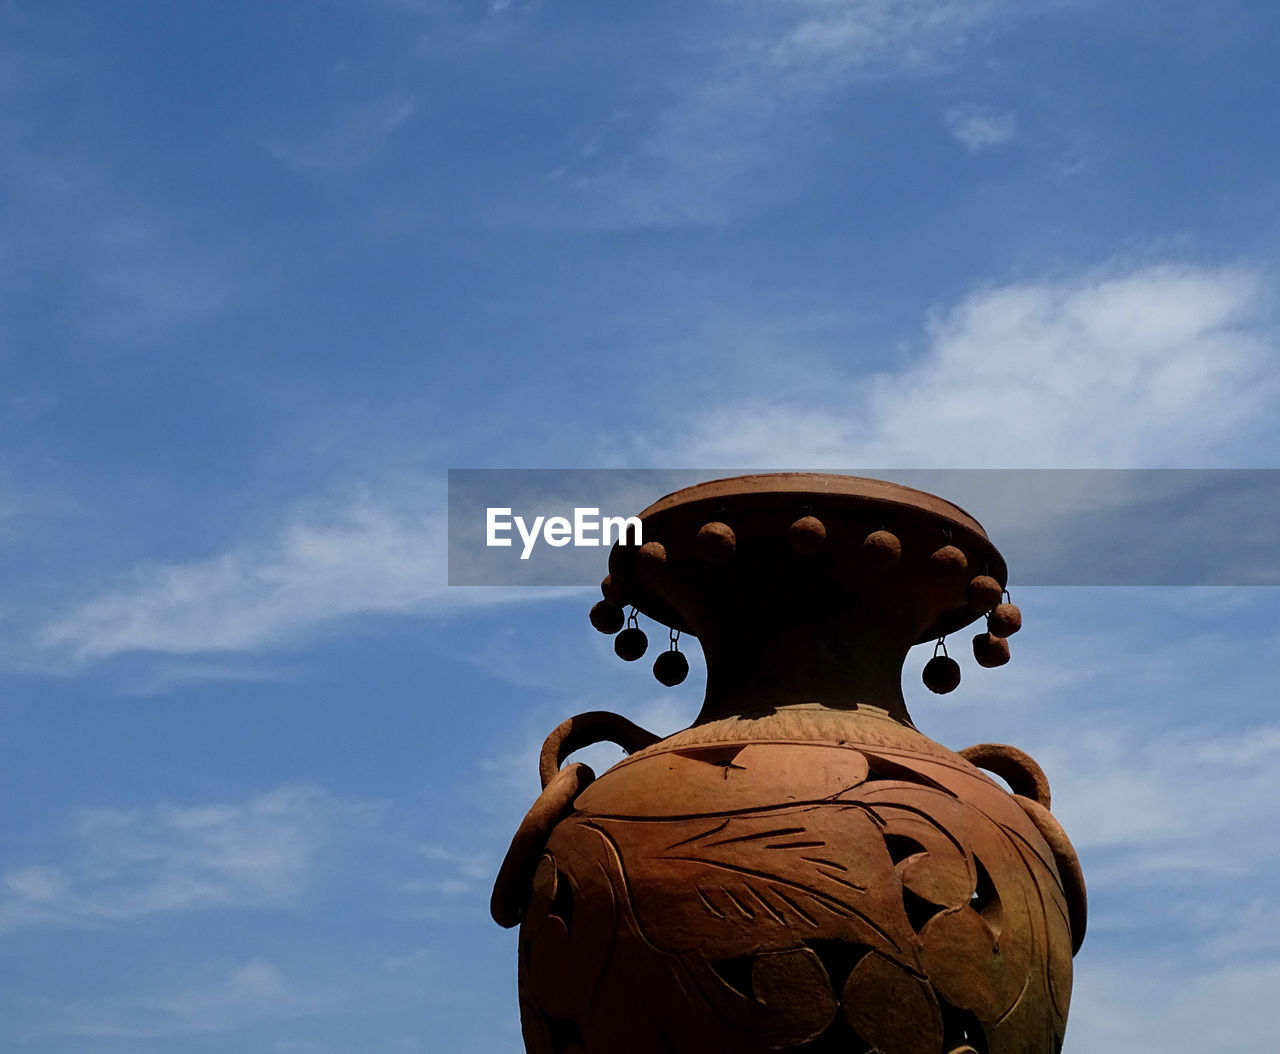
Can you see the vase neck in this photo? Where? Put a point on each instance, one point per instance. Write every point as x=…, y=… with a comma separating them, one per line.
x=841, y=660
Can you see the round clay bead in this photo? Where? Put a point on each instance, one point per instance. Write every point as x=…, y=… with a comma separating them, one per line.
x=715, y=542
x=990, y=651
x=671, y=667
x=606, y=617
x=941, y=674
x=614, y=590
x=651, y=558
x=983, y=593
x=630, y=644
x=882, y=549
x=1005, y=621
x=807, y=535
x=948, y=563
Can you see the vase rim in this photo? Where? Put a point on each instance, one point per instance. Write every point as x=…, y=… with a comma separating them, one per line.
x=770, y=501
x=817, y=485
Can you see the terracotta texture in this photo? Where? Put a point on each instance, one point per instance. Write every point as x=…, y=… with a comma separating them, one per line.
x=801, y=870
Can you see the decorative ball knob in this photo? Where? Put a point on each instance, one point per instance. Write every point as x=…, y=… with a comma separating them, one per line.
x=715, y=542
x=807, y=535
x=630, y=644
x=606, y=617
x=990, y=650
x=983, y=593
x=615, y=590
x=941, y=674
x=881, y=549
x=651, y=558
x=948, y=563
x=671, y=667
x=1005, y=621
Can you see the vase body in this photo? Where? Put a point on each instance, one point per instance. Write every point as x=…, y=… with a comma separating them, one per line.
x=802, y=870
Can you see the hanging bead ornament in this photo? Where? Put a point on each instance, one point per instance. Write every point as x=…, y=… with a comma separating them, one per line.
x=881, y=549
x=807, y=535
x=715, y=542
x=606, y=617
x=941, y=673
x=671, y=667
x=990, y=650
x=631, y=643
x=1005, y=620
x=983, y=593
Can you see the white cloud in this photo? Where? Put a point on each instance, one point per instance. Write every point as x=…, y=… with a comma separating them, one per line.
x=702, y=154
x=146, y=281
x=349, y=137
x=367, y=556
x=37, y=885
x=227, y=1000
x=977, y=129
x=452, y=873
x=124, y=864
x=120, y=270
x=1149, y=1003
x=903, y=34
x=1157, y=366
x=1169, y=801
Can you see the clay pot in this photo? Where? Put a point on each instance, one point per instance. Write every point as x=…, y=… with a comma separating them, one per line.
x=801, y=870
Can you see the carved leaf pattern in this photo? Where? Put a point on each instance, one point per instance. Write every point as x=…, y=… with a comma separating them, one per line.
x=949, y=925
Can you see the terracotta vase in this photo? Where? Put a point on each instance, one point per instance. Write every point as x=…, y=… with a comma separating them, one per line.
x=801, y=870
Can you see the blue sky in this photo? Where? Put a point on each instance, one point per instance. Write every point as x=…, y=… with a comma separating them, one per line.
x=270, y=270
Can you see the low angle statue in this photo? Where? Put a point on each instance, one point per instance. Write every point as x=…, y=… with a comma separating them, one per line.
x=801, y=870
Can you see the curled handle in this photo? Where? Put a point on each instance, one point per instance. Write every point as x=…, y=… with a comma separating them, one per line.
x=595, y=726
x=511, y=887
x=1016, y=767
x=560, y=786
x=1064, y=855
x=1030, y=788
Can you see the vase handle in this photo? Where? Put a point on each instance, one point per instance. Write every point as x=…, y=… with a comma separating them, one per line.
x=511, y=887
x=596, y=726
x=560, y=786
x=1016, y=767
x=1031, y=791
x=1069, y=871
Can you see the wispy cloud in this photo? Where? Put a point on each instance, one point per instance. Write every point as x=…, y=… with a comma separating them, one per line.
x=848, y=35
x=1133, y=804
x=702, y=153
x=1149, y=1001
x=226, y=1000
x=451, y=873
x=163, y=675
x=349, y=137
x=978, y=129
x=366, y=556
x=125, y=864
x=125, y=277
x=118, y=271
x=1154, y=366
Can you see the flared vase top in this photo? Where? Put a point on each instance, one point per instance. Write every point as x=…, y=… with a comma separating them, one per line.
x=839, y=574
